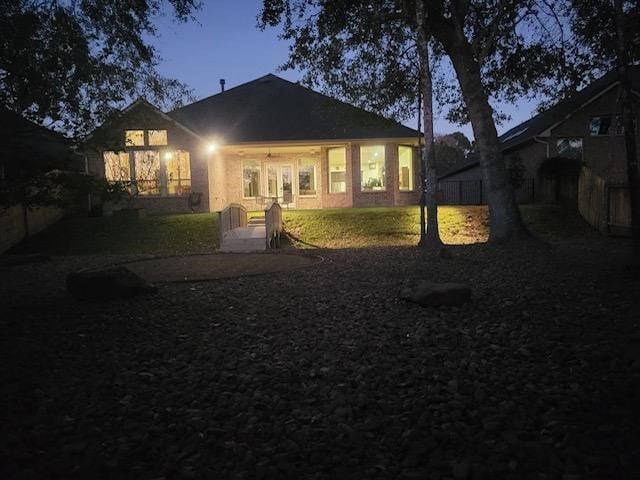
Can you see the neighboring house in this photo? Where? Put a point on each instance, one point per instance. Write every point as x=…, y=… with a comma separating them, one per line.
x=265, y=140
x=29, y=149
x=573, y=152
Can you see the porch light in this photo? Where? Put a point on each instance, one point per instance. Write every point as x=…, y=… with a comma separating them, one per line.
x=168, y=155
x=212, y=147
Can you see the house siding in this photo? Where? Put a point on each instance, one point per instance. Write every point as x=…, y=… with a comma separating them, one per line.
x=144, y=117
x=604, y=154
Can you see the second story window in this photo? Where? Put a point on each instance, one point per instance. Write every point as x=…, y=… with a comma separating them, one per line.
x=157, y=137
x=134, y=138
x=569, y=148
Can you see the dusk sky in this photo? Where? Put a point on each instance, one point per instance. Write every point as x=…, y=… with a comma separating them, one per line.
x=225, y=43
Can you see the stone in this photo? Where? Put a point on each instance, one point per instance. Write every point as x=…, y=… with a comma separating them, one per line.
x=107, y=284
x=429, y=294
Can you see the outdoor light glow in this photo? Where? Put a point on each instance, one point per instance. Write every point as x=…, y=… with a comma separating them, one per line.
x=212, y=147
x=168, y=155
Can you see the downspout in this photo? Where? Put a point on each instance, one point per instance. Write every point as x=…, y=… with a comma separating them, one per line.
x=546, y=144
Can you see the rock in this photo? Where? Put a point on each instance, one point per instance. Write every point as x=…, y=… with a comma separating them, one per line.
x=429, y=294
x=107, y=284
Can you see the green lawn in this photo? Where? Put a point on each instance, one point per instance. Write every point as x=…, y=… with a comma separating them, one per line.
x=154, y=234
x=360, y=227
x=329, y=228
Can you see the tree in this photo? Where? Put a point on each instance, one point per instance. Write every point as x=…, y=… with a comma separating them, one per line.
x=431, y=237
x=68, y=64
x=364, y=51
x=610, y=30
x=451, y=149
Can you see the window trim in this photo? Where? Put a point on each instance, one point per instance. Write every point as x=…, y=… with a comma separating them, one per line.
x=412, y=180
x=315, y=178
x=559, y=139
x=384, y=187
x=346, y=169
x=261, y=172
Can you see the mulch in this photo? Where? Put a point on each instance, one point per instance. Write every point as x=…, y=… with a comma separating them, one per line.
x=323, y=372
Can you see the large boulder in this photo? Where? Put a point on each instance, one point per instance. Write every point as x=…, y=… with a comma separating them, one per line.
x=107, y=284
x=429, y=294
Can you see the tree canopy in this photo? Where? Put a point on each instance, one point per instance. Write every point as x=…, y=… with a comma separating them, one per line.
x=68, y=64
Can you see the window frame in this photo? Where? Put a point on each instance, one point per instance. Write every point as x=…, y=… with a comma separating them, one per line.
x=259, y=192
x=304, y=162
x=412, y=181
x=384, y=183
x=560, y=139
x=130, y=145
x=346, y=164
x=166, y=137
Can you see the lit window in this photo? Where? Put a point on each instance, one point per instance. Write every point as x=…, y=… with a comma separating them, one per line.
x=306, y=178
x=372, y=168
x=157, y=137
x=337, y=170
x=116, y=166
x=569, y=148
x=147, y=168
x=405, y=168
x=134, y=138
x=178, y=171
x=251, y=178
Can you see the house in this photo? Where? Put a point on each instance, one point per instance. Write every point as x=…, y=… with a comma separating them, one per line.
x=265, y=140
x=572, y=152
x=29, y=149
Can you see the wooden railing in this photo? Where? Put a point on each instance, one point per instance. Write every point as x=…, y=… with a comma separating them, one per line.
x=273, y=225
x=232, y=216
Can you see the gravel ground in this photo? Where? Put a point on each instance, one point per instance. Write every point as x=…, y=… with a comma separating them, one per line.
x=322, y=372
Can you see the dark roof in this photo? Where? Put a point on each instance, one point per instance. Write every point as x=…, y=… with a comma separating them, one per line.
x=462, y=166
x=273, y=109
x=542, y=121
x=23, y=139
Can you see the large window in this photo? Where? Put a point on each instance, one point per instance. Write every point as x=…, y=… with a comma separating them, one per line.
x=134, y=138
x=251, y=178
x=178, y=172
x=147, y=171
x=569, y=148
x=337, y=159
x=372, y=168
x=116, y=166
x=157, y=137
x=306, y=177
x=405, y=168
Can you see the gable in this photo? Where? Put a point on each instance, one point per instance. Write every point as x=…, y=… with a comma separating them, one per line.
x=542, y=123
x=273, y=109
x=140, y=115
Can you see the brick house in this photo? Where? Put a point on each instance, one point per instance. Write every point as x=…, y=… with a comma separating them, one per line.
x=573, y=152
x=268, y=139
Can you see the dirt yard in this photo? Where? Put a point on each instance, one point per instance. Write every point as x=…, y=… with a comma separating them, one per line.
x=323, y=372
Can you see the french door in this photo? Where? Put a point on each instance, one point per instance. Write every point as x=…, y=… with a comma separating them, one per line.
x=280, y=183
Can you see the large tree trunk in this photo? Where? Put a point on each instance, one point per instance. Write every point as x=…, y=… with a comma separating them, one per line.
x=626, y=103
x=428, y=178
x=504, y=216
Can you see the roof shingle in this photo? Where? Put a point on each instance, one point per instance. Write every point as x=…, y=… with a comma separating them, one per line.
x=273, y=109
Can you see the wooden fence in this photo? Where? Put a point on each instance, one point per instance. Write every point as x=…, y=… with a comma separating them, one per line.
x=604, y=206
x=473, y=192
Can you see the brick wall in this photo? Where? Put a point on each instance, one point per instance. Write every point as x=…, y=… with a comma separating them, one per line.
x=143, y=117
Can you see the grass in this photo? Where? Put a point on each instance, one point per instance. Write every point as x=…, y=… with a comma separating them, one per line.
x=329, y=228
x=153, y=234
x=360, y=227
